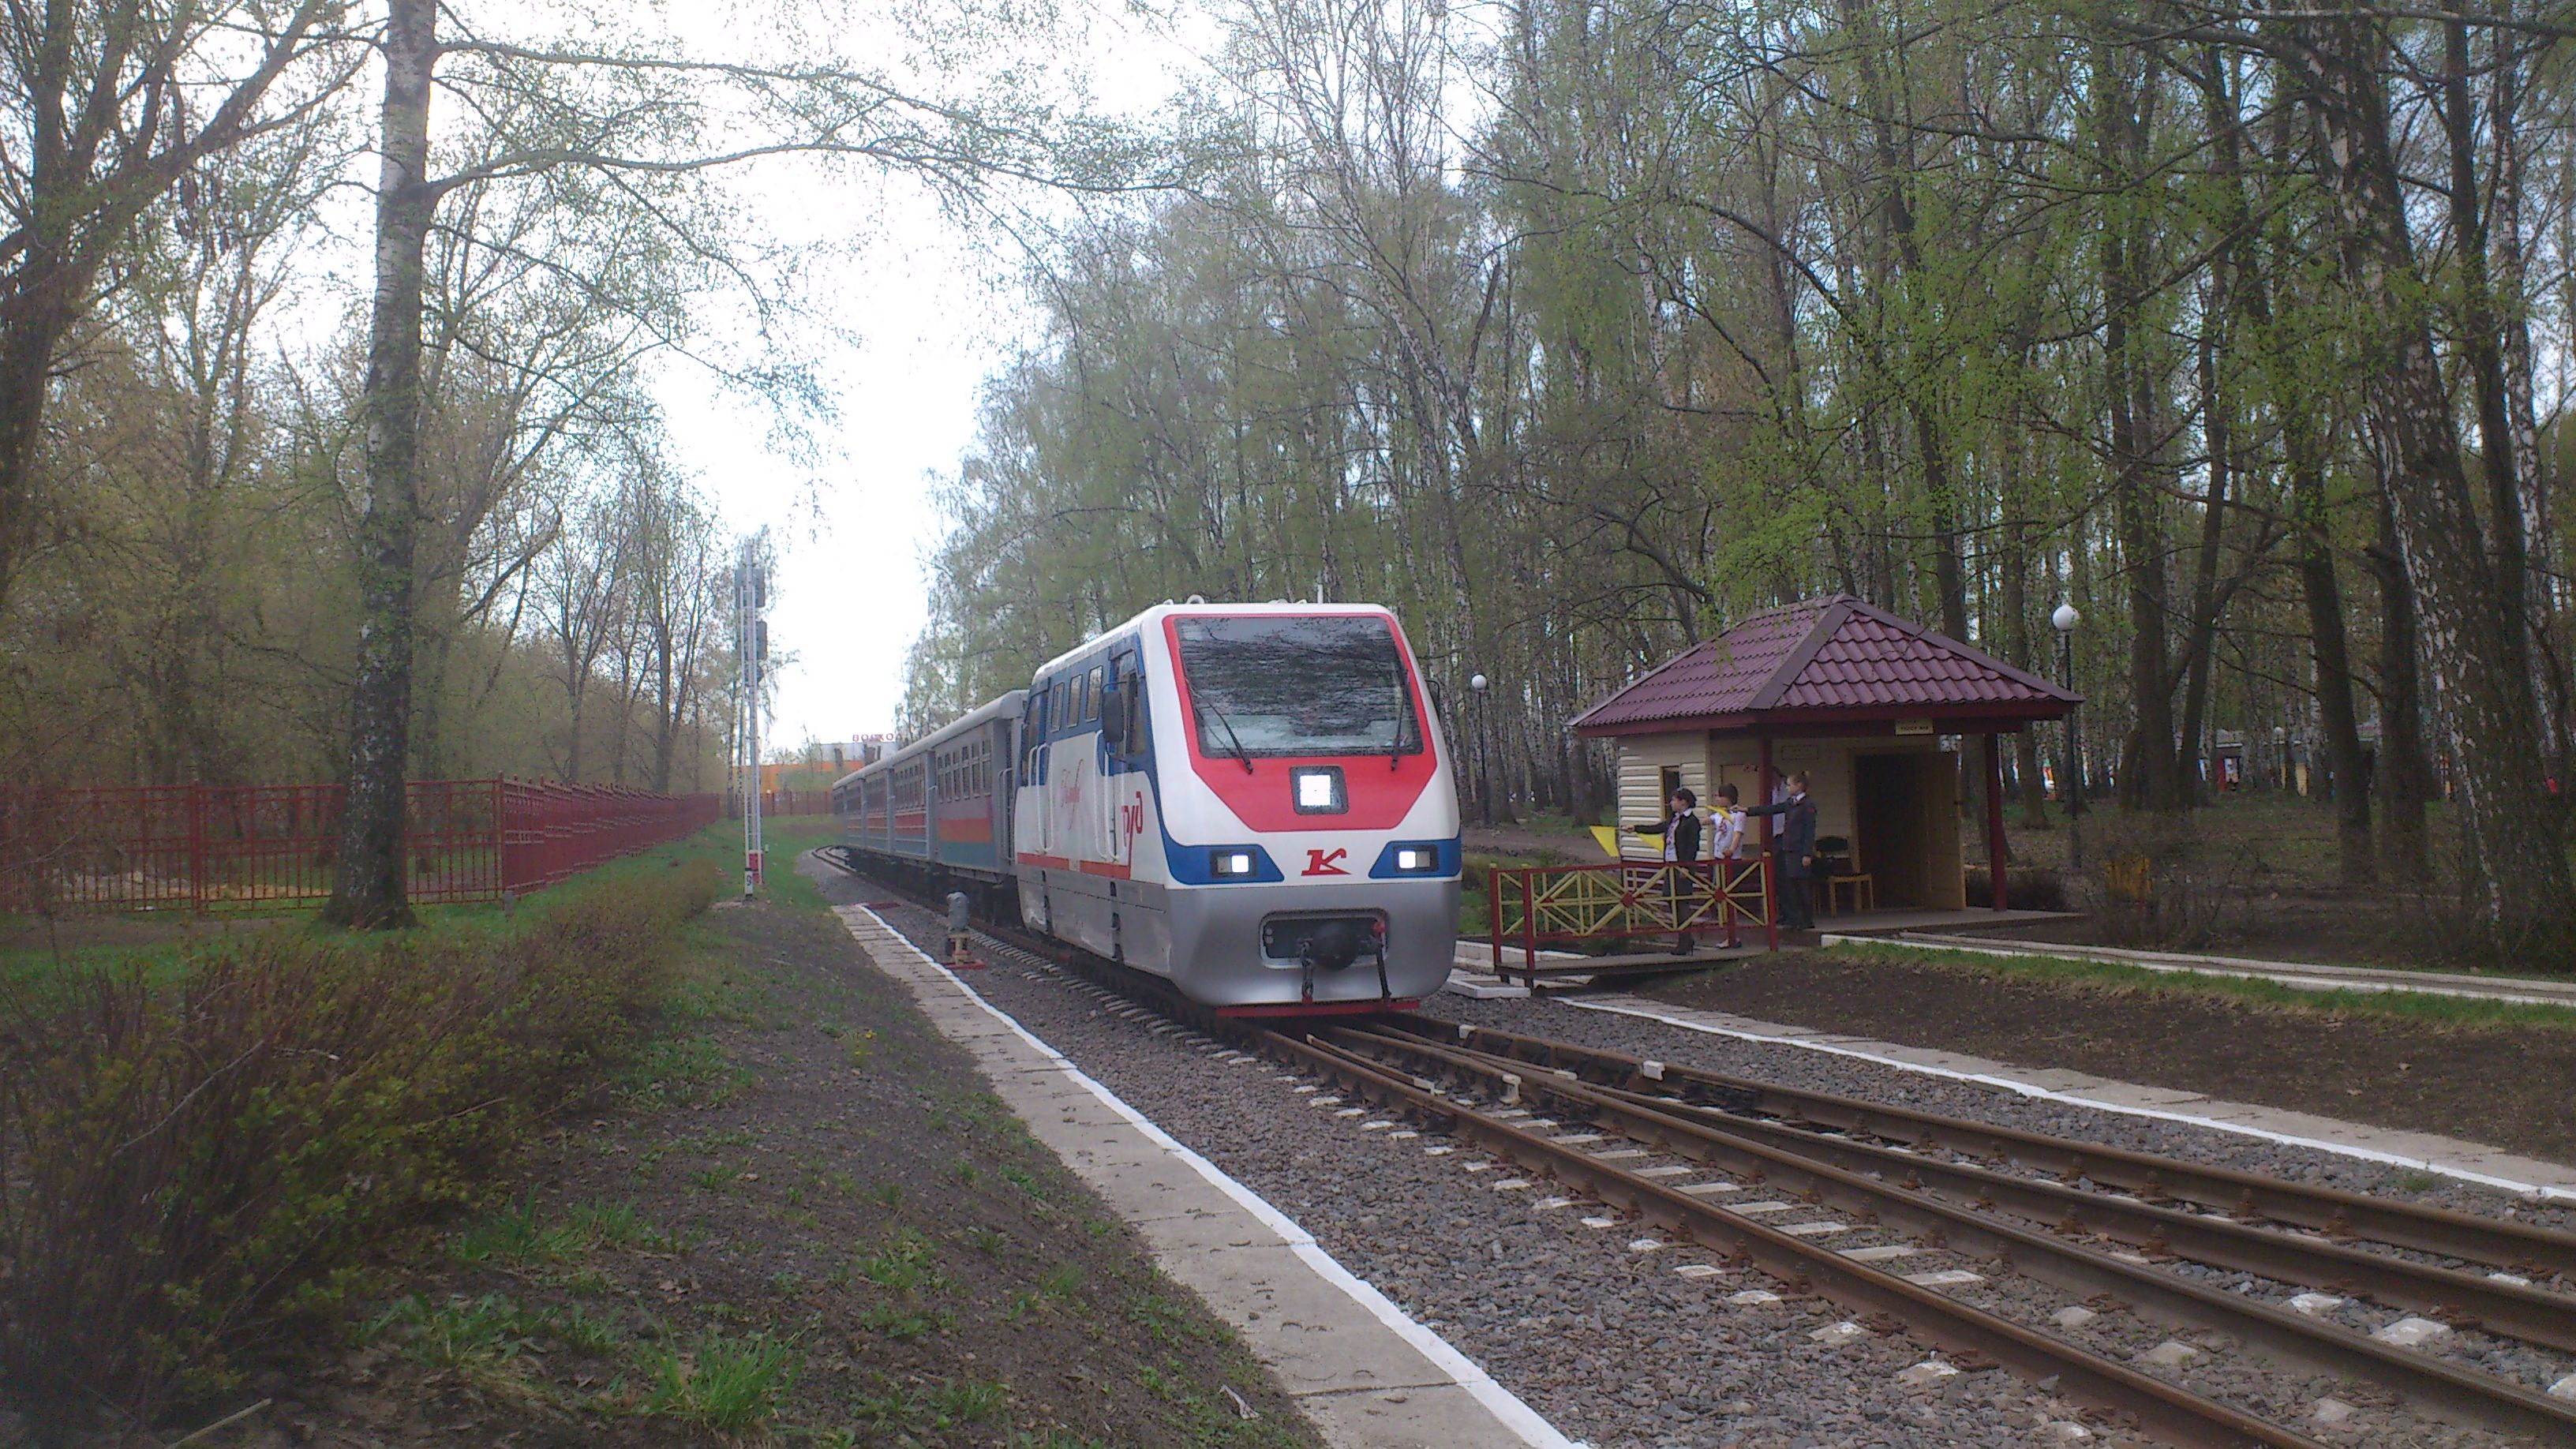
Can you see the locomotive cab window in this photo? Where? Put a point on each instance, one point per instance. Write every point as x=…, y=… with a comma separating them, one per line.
x=1312, y=685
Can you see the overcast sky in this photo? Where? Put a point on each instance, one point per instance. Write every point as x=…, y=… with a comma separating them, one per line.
x=936, y=308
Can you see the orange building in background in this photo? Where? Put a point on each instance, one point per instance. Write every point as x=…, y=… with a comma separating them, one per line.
x=823, y=764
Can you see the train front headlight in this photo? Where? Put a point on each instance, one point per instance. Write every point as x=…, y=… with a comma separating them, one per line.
x=1231, y=864
x=1415, y=857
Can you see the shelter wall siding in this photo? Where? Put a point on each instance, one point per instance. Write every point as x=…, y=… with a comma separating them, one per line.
x=1642, y=761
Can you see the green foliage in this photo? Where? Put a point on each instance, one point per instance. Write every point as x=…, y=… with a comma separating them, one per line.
x=949, y=1404
x=487, y=1332
x=200, y=1169
x=903, y=1264
x=729, y=1385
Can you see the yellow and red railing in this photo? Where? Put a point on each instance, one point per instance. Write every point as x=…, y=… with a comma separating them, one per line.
x=1539, y=906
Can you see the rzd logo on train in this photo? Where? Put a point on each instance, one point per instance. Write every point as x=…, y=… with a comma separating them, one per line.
x=1320, y=862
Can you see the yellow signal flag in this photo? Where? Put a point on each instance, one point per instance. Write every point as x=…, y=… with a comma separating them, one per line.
x=1608, y=835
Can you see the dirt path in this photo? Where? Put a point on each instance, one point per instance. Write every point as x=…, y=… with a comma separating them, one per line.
x=806, y=1218
x=2507, y=1086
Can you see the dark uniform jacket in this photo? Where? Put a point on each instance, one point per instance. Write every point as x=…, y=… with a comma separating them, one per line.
x=1795, y=840
x=1684, y=829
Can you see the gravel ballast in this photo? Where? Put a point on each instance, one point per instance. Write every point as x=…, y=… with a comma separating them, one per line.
x=1821, y=1071
x=1595, y=1328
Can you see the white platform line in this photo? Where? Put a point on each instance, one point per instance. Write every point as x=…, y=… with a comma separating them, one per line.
x=1501, y=1402
x=2035, y=1091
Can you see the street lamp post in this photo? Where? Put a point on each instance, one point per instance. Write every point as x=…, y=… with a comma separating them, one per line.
x=1477, y=684
x=2066, y=619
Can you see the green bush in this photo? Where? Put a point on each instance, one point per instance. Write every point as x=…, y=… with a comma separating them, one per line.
x=191, y=1172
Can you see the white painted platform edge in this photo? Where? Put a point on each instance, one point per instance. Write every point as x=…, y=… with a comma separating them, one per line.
x=1501, y=1402
x=2034, y=1090
x=2282, y=973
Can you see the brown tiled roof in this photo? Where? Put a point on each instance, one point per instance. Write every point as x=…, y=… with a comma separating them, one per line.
x=1820, y=661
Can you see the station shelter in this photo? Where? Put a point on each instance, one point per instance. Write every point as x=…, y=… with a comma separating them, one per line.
x=1869, y=706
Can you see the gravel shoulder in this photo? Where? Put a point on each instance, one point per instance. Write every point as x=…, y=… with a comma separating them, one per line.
x=1577, y=1310
x=2503, y=1085
x=804, y=1220
x=1610, y=1343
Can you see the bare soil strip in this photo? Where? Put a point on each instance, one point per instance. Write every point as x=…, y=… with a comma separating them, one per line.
x=806, y=1218
x=2500, y=1084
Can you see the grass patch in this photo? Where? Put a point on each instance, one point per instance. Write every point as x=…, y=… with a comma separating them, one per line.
x=477, y=1337
x=522, y=1235
x=206, y=1167
x=163, y=946
x=681, y=1071
x=1168, y=1323
x=2453, y=1011
x=730, y=1385
x=949, y=1404
x=903, y=1264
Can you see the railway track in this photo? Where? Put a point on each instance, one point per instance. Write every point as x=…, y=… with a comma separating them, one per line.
x=2096, y=1222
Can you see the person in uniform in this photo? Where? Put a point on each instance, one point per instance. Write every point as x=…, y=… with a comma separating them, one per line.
x=1793, y=853
x=1680, y=831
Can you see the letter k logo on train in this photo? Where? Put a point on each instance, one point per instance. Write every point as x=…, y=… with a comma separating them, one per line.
x=1319, y=862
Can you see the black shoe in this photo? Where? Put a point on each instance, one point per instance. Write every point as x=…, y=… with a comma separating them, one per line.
x=1685, y=946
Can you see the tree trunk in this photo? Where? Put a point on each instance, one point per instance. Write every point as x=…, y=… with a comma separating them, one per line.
x=2466, y=569
x=2150, y=780
x=2216, y=425
x=2354, y=862
x=27, y=343
x=2305, y=458
x=367, y=889
x=2016, y=604
x=2404, y=777
x=666, y=724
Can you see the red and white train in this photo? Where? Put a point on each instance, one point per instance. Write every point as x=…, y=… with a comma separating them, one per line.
x=1252, y=800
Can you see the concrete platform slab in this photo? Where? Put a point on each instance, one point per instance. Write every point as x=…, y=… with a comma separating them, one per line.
x=1409, y=1416
x=1479, y=987
x=2471, y=1162
x=2130, y=1094
x=1299, y=1325
x=1367, y=1375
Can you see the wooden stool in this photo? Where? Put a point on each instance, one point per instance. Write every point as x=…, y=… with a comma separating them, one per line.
x=1864, y=893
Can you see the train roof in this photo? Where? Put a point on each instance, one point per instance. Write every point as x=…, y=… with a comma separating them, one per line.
x=1006, y=706
x=1168, y=609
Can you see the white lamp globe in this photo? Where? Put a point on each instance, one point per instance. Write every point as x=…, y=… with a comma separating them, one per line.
x=2066, y=618
x=1476, y=682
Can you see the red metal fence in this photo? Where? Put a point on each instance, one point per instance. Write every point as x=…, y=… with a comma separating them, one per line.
x=200, y=847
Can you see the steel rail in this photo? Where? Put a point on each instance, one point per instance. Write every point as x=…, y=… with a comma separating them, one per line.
x=2461, y=1299
x=1946, y=1324
x=1942, y=1322
x=2289, y=1337
x=2518, y=1247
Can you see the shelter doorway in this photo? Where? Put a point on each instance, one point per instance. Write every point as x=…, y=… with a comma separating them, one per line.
x=1905, y=828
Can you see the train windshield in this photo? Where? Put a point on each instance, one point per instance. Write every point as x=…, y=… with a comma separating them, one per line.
x=1312, y=685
